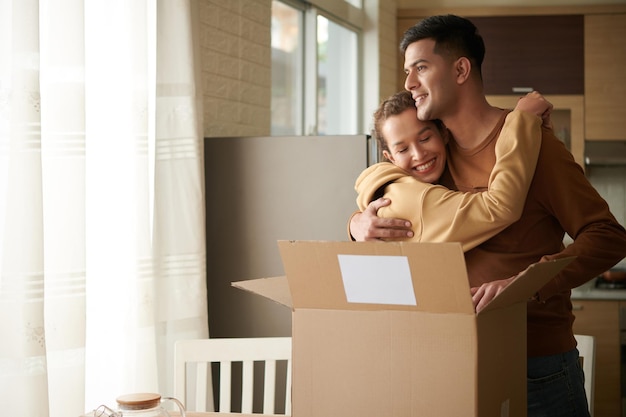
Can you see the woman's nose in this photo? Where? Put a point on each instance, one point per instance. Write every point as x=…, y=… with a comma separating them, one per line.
x=418, y=153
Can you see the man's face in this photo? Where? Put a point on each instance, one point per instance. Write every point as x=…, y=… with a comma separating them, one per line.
x=415, y=146
x=431, y=80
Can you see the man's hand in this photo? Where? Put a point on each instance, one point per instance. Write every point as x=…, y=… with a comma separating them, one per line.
x=481, y=296
x=368, y=226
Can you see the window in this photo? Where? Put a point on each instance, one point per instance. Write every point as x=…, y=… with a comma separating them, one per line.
x=336, y=78
x=315, y=70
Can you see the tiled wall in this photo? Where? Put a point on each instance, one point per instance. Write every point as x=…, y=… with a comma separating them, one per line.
x=388, y=48
x=235, y=43
x=610, y=181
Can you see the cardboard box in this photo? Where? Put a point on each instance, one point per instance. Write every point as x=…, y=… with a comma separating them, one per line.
x=389, y=329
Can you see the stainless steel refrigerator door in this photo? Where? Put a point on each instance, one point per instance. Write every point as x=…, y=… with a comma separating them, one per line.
x=263, y=189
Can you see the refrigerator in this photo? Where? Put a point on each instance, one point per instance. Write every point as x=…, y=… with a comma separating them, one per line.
x=263, y=189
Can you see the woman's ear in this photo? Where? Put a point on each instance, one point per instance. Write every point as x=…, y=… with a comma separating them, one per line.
x=388, y=156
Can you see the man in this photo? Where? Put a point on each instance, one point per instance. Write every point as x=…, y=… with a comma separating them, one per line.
x=443, y=58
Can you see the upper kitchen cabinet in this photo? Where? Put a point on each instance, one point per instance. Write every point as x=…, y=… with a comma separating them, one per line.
x=605, y=77
x=525, y=53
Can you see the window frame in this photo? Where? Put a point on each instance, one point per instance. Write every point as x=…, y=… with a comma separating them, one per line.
x=341, y=13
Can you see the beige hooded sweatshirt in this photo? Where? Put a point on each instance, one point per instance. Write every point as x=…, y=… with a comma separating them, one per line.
x=438, y=214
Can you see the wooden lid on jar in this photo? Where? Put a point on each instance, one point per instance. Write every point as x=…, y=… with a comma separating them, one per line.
x=139, y=401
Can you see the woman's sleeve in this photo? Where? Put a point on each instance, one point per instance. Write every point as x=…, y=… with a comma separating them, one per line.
x=441, y=215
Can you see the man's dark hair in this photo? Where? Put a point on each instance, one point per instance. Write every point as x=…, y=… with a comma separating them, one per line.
x=454, y=37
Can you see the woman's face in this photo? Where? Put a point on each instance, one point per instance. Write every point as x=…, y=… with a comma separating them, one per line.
x=415, y=146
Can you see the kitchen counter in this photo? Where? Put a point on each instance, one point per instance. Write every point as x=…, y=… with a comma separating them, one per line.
x=589, y=291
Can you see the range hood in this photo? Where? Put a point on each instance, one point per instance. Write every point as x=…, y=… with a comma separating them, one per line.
x=607, y=152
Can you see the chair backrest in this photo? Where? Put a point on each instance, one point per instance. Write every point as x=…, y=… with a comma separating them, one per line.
x=587, y=351
x=202, y=353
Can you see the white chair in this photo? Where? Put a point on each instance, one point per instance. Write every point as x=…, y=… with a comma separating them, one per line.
x=587, y=351
x=202, y=353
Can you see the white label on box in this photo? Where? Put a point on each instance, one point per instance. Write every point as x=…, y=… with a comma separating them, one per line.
x=377, y=279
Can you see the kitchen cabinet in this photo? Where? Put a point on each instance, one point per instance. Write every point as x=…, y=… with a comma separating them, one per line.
x=601, y=319
x=567, y=118
x=525, y=53
x=605, y=78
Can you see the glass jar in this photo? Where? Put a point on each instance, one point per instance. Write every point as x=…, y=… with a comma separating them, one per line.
x=139, y=405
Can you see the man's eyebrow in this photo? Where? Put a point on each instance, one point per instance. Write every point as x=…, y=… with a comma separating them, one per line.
x=415, y=63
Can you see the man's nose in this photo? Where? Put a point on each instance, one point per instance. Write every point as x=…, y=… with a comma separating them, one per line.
x=410, y=82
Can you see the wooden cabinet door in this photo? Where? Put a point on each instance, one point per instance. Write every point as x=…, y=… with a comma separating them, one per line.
x=605, y=77
x=566, y=116
x=543, y=53
x=601, y=319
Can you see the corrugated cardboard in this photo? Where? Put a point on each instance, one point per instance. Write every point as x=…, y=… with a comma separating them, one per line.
x=421, y=354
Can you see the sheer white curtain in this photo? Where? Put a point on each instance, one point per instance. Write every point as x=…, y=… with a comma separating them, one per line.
x=102, y=253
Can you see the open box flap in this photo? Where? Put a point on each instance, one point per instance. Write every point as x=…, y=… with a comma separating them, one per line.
x=275, y=288
x=377, y=275
x=435, y=270
x=527, y=283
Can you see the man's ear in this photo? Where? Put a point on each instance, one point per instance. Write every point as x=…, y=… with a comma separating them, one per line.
x=463, y=68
